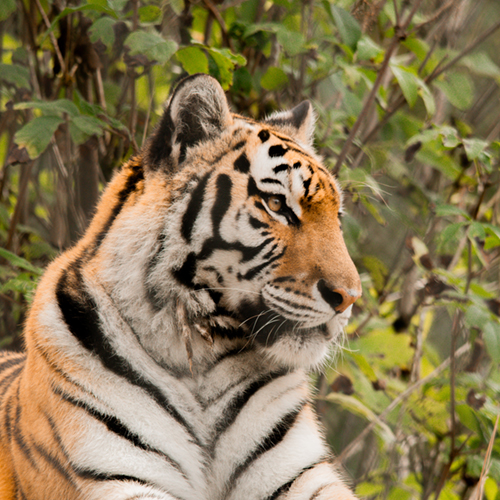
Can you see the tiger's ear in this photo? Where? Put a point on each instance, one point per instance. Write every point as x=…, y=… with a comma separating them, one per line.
x=298, y=122
x=197, y=111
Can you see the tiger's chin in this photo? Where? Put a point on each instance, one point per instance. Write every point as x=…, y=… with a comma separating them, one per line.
x=299, y=346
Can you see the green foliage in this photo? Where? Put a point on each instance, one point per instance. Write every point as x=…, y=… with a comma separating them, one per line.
x=421, y=180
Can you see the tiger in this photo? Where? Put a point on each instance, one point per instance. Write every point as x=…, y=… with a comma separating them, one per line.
x=168, y=351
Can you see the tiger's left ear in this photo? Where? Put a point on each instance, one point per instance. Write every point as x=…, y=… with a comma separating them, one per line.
x=197, y=111
x=298, y=122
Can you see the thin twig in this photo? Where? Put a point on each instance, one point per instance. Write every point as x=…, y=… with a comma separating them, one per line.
x=213, y=9
x=436, y=14
x=52, y=37
x=486, y=463
x=21, y=197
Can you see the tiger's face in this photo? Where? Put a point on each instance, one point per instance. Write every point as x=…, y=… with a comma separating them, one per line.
x=252, y=241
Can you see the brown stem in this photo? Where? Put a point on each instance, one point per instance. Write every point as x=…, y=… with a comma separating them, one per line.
x=52, y=37
x=21, y=198
x=217, y=15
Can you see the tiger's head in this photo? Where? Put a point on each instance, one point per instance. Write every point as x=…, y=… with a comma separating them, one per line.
x=251, y=240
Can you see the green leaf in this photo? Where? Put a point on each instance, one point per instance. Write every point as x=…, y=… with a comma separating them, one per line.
x=15, y=74
x=242, y=81
x=369, y=489
x=349, y=29
x=417, y=46
x=408, y=82
x=356, y=407
x=103, y=30
x=367, y=49
x=51, y=107
x=86, y=126
x=152, y=45
x=477, y=317
x=481, y=64
x=450, y=232
x=431, y=155
x=474, y=147
x=7, y=7
x=225, y=62
x=274, y=78
x=448, y=210
x=476, y=230
x=362, y=364
x=468, y=417
x=458, y=89
x=35, y=135
x=450, y=137
x=491, y=336
x=425, y=93
x=149, y=14
x=291, y=41
x=193, y=59
x=17, y=261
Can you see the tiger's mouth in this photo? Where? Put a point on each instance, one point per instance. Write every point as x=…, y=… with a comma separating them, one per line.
x=265, y=325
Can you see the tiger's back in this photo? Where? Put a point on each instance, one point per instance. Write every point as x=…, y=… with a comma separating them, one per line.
x=167, y=351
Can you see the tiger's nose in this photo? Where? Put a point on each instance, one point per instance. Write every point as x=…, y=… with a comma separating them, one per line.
x=338, y=298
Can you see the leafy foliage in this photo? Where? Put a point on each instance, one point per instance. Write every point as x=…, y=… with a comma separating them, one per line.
x=407, y=100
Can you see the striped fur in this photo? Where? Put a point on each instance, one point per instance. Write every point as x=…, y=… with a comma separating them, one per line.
x=167, y=351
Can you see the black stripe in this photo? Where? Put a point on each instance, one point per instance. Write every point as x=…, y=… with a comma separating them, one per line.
x=282, y=279
x=256, y=223
x=104, y=476
x=264, y=135
x=185, y=274
x=20, y=441
x=236, y=405
x=277, y=150
x=222, y=201
x=269, y=180
x=307, y=183
x=9, y=379
x=251, y=273
x=275, y=437
x=115, y=426
x=281, y=168
x=133, y=179
x=317, y=492
x=55, y=463
x=56, y=435
x=286, y=487
x=271, y=251
x=11, y=361
x=297, y=164
x=194, y=208
x=80, y=315
x=239, y=145
x=242, y=164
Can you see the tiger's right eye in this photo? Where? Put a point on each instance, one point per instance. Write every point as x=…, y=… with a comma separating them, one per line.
x=274, y=203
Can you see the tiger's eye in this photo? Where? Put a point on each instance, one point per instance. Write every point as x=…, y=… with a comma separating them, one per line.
x=274, y=203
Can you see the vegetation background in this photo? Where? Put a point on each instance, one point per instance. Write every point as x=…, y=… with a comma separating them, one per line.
x=408, y=101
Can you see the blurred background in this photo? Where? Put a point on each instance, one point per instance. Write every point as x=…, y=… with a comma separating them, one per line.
x=407, y=95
